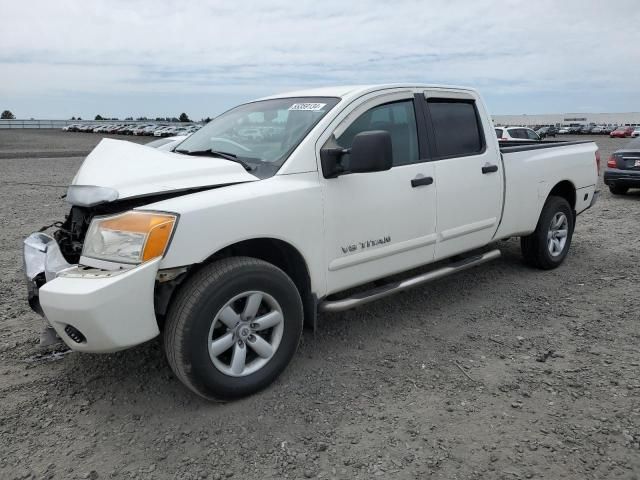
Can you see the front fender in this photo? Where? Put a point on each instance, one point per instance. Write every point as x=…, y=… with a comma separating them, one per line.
x=283, y=207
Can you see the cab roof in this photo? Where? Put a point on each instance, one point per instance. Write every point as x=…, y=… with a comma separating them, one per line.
x=349, y=91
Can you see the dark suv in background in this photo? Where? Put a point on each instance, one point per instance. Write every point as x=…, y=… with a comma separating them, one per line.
x=547, y=132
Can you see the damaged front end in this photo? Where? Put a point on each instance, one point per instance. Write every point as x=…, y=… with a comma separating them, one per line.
x=43, y=260
x=57, y=255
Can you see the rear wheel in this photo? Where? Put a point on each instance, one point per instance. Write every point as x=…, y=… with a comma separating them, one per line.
x=233, y=328
x=617, y=190
x=548, y=245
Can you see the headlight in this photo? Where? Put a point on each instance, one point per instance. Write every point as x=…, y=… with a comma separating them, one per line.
x=131, y=237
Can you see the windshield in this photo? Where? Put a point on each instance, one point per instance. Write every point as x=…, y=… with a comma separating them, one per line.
x=262, y=133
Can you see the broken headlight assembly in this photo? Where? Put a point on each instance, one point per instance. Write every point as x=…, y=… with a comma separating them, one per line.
x=132, y=237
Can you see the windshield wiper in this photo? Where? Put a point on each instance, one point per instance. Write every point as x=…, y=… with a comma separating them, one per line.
x=216, y=153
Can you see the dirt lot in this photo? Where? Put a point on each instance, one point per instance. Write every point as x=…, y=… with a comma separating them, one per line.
x=499, y=372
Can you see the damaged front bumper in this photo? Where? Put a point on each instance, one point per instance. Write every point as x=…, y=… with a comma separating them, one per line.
x=92, y=310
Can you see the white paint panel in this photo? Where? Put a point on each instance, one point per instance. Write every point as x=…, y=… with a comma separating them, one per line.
x=113, y=313
x=532, y=174
x=283, y=207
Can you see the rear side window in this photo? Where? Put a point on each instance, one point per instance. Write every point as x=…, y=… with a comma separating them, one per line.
x=456, y=127
x=499, y=132
x=518, y=133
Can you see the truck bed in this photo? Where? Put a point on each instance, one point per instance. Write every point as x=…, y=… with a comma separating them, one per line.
x=533, y=168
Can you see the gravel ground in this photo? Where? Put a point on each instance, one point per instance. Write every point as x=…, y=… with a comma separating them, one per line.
x=499, y=372
x=53, y=143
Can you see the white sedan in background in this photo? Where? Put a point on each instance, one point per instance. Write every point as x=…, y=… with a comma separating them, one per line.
x=636, y=132
x=516, y=134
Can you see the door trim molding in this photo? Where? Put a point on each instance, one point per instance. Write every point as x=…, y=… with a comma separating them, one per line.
x=466, y=229
x=393, y=249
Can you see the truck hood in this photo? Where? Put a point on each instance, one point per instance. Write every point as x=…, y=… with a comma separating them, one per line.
x=118, y=169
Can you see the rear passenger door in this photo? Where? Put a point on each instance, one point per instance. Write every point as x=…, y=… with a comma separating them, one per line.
x=468, y=171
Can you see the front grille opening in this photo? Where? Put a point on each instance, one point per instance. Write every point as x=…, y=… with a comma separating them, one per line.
x=75, y=334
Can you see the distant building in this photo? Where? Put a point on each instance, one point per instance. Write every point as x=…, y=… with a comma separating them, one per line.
x=559, y=119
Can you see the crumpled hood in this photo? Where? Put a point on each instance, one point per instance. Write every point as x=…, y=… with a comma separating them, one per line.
x=135, y=170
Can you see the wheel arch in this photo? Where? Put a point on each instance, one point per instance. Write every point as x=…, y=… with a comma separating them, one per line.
x=284, y=256
x=567, y=190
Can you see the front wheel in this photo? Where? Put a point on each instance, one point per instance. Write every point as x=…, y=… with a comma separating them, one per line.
x=233, y=328
x=618, y=190
x=548, y=245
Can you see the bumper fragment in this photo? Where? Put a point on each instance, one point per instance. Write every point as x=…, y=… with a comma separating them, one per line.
x=42, y=261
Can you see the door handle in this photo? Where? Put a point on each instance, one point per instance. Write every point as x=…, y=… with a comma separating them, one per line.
x=489, y=168
x=418, y=181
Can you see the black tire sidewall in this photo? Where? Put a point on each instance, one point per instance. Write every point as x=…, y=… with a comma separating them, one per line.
x=212, y=298
x=618, y=190
x=553, y=206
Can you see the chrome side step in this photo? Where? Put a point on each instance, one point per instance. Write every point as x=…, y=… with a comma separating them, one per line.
x=362, y=298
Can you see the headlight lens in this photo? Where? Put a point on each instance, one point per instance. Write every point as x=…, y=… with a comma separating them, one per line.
x=131, y=237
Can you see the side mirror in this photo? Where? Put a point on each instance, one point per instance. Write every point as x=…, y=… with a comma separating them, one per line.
x=370, y=152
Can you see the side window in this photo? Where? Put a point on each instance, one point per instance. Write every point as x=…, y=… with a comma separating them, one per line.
x=399, y=120
x=517, y=133
x=456, y=127
x=499, y=132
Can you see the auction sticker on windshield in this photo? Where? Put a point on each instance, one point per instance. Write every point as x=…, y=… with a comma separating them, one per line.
x=314, y=107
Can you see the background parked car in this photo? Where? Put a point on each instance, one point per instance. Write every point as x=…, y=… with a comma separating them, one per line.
x=159, y=132
x=636, y=132
x=623, y=168
x=622, y=132
x=516, y=134
x=547, y=132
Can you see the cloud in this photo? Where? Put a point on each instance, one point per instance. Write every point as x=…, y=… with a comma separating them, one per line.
x=143, y=48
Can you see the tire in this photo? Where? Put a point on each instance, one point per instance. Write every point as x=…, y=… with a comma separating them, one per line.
x=195, y=322
x=618, y=190
x=544, y=249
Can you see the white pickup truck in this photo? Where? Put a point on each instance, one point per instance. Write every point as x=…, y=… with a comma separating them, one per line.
x=278, y=208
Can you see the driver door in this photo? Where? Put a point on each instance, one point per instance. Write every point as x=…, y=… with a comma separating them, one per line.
x=380, y=223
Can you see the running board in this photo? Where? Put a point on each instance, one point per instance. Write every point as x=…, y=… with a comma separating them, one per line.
x=362, y=298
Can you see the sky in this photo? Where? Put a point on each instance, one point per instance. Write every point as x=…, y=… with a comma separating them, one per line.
x=153, y=58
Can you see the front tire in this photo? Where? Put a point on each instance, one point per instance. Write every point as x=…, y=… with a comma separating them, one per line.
x=618, y=190
x=233, y=328
x=547, y=247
